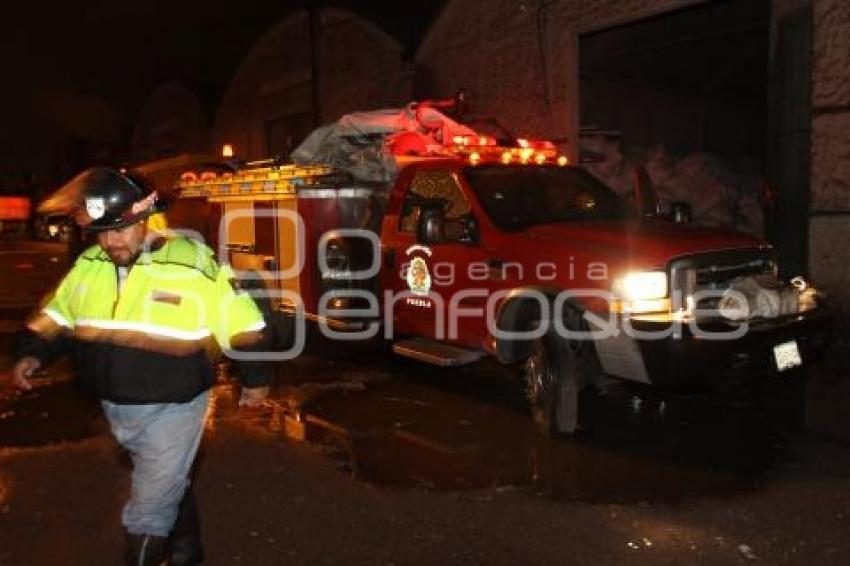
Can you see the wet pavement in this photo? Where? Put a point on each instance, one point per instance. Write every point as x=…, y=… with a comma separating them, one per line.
x=391, y=423
x=469, y=429
x=48, y=415
x=29, y=271
x=55, y=411
x=398, y=426
x=394, y=422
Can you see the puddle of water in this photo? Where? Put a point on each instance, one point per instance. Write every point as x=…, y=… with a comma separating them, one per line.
x=463, y=429
x=47, y=415
x=469, y=429
x=32, y=270
x=633, y=448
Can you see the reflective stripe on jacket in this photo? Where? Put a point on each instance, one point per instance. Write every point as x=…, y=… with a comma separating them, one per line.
x=152, y=340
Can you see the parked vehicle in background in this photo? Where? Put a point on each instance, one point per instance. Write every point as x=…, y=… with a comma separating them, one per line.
x=14, y=215
x=58, y=227
x=472, y=246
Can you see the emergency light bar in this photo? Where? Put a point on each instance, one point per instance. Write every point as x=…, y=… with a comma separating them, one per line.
x=263, y=181
x=485, y=148
x=479, y=141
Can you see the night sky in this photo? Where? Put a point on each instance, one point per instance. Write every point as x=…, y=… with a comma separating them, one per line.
x=113, y=54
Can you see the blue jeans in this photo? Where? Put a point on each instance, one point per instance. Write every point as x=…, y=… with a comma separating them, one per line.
x=162, y=440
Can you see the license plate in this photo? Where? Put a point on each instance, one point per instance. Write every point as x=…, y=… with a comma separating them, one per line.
x=787, y=355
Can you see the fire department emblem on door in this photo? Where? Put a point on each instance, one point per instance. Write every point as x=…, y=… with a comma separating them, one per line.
x=418, y=279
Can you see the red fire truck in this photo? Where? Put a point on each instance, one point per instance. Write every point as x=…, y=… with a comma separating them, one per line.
x=486, y=247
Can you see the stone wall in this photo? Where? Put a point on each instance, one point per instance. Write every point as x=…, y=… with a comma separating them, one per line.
x=830, y=187
x=270, y=97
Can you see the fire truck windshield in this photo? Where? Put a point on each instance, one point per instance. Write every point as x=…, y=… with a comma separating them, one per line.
x=517, y=198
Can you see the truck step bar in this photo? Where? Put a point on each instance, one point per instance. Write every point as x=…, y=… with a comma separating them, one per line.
x=436, y=353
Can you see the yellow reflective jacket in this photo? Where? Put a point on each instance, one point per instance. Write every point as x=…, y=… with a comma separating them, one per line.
x=152, y=340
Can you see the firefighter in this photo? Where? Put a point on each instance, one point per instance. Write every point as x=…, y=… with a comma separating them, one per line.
x=253, y=378
x=143, y=315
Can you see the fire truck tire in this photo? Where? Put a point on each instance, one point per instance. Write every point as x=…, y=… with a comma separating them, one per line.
x=552, y=385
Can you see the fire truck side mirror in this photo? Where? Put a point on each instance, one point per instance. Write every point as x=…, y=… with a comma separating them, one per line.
x=646, y=198
x=431, y=228
x=681, y=212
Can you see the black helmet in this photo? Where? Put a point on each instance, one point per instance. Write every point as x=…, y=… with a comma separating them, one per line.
x=112, y=199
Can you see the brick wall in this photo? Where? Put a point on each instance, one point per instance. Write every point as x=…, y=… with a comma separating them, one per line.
x=490, y=47
x=598, y=14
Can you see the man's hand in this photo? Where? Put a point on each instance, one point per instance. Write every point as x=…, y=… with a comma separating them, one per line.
x=22, y=370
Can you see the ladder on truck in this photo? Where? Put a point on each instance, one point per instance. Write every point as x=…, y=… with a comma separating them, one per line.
x=257, y=182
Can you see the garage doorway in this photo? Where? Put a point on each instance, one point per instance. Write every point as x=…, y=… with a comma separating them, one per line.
x=687, y=92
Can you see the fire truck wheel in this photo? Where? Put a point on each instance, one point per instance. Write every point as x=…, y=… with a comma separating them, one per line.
x=552, y=385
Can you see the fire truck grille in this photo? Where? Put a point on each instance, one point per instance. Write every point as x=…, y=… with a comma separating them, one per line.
x=706, y=276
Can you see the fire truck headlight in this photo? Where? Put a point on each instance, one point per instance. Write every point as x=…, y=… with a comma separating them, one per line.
x=642, y=285
x=642, y=292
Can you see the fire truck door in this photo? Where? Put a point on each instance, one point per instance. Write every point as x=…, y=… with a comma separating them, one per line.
x=434, y=283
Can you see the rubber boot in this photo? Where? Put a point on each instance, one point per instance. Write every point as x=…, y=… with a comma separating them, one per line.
x=185, y=537
x=145, y=550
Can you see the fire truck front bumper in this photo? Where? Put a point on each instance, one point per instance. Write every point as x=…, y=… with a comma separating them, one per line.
x=714, y=354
